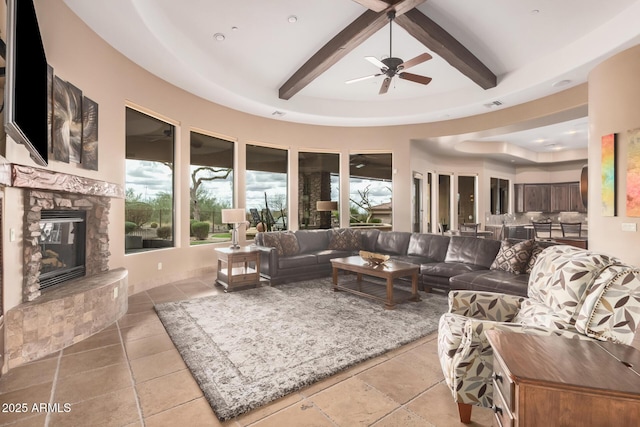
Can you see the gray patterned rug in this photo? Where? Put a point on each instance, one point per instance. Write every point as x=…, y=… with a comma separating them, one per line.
x=250, y=347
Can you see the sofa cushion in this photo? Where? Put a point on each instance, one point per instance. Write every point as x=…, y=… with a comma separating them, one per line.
x=393, y=242
x=491, y=281
x=289, y=243
x=300, y=260
x=329, y=254
x=345, y=239
x=432, y=246
x=513, y=257
x=471, y=250
x=369, y=238
x=448, y=269
x=272, y=239
x=413, y=259
x=312, y=240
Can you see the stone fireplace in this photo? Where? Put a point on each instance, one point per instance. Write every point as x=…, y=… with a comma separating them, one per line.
x=51, y=319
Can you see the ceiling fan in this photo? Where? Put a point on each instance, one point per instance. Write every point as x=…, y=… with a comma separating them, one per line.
x=391, y=66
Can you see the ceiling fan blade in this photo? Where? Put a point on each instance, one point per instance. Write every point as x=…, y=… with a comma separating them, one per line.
x=359, y=79
x=385, y=86
x=415, y=78
x=415, y=61
x=375, y=61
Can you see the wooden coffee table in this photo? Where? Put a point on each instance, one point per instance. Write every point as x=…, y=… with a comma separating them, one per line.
x=390, y=271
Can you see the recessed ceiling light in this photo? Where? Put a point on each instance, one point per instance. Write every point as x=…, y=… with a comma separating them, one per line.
x=560, y=83
x=234, y=28
x=535, y=11
x=219, y=37
x=278, y=113
x=292, y=19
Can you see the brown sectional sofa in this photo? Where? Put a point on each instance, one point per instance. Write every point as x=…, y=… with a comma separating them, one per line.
x=446, y=263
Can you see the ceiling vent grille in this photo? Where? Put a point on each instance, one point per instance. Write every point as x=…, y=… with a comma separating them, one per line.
x=493, y=104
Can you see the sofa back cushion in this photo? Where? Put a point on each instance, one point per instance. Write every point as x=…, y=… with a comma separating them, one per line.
x=432, y=246
x=312, y=240
x=369, y=238
x=284, y=242
x=471, y=250
x=561, y=277
x=393, y=242
x=611, y=309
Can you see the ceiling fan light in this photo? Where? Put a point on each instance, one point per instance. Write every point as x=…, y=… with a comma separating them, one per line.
x=219, y=37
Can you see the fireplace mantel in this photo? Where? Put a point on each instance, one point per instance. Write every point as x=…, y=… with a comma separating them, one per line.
x=21, y=176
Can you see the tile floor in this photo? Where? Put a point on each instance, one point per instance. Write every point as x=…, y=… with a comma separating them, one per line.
x=130, y=374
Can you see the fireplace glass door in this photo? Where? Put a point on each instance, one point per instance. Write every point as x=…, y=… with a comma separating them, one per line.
x=62, y=245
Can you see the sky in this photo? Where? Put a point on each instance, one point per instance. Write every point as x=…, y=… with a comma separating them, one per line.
x=151, y=178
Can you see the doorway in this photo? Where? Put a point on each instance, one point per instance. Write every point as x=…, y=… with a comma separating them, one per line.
x=417, y=202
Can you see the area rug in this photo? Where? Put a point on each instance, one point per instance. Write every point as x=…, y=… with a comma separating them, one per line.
x=250, y=347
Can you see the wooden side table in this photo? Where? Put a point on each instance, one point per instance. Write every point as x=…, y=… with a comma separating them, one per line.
x=241, y=269
x=555, y=381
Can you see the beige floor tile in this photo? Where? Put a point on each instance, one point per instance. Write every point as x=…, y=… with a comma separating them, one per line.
x=115, y=409
x=89, y=384
x=166, y=392
x=157, y=365
x=148, y=346
x=438, y=407
x=354, y=403
x=402, y=418
x=198, y=289
x=194, y=413
x=25, y=398
x=302, y=414
x=402, y=378
x=139, y=298
x=34, y=421
x=137, y=319
x=140, y=307
x=101, y=339
x=165, y=294
x=33, y=373
x=91, y=359
x=144, y=330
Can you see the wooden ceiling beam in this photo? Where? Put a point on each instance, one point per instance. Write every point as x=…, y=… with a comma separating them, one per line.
x=443, y=44
x=348, y=39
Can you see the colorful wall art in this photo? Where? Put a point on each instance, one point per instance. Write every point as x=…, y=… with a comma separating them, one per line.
x=609, y=175
x=633, y=173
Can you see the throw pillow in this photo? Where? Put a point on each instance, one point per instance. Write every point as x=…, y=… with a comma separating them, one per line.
x=345, y=239
x=513, y=257
x=289, y=243
x=537, y=250
x=273, y=240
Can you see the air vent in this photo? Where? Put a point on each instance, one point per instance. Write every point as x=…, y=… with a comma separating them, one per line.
x=493, y=104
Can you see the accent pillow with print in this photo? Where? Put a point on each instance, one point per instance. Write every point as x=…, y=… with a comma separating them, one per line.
x=537, y=250
x=273, y=240
x=289, y=243
x=345, y=239
x=513, y=257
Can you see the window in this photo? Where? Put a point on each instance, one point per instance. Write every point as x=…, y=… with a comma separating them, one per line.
x=444, y=203
x=467, y=199
x=148, y=183
x=318, y=181
x=370, y=189
x=211, y=187
x=267, y=187
x=499, y=196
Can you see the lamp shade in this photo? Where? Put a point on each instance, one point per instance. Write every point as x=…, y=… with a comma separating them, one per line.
x=326, y=206
x=233, y=216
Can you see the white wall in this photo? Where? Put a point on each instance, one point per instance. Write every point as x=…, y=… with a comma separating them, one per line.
x=614, y=107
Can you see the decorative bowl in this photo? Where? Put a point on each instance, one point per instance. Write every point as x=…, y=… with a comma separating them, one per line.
x=374, y=258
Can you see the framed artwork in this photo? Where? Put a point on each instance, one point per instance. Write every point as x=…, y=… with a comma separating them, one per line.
x=74, y=96
x=608, y=167
x=89, y=134
x=60, y=122
x=633, y=173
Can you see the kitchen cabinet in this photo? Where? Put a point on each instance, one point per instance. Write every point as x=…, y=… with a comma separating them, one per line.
x=575, y=198
x=557, y=197
x=537, y=197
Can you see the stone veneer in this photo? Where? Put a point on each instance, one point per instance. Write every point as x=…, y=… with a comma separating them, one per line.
x=97, y=233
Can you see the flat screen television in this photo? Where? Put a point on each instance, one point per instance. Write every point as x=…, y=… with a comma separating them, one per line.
x=26, y=94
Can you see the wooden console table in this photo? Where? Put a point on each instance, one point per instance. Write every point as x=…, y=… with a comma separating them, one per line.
x=238, y=268
x=555, y=381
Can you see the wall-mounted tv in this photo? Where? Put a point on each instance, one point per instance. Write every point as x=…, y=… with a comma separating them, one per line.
x=26, y=95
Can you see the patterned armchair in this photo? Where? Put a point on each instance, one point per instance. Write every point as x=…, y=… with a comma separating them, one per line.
x=572, y=293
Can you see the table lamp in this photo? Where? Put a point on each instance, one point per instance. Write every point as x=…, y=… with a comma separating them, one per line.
x=235, y=217
x=326, y=206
